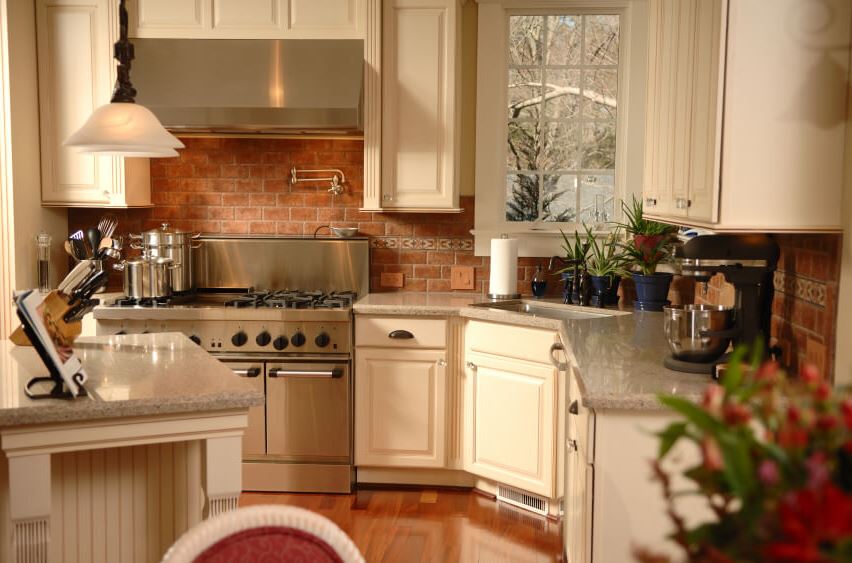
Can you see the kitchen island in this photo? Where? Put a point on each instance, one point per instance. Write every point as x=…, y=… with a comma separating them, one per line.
x=561, y=409
x=119, y=474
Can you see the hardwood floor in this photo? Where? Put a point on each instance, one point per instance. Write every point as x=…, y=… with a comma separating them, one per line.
x=431, y=525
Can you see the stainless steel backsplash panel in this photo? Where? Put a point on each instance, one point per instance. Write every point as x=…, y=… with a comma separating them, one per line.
x=333, y=264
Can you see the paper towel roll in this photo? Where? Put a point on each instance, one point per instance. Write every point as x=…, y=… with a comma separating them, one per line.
x=504, y=267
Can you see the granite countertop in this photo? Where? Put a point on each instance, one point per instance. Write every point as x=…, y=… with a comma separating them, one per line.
x=618, y=359
x=129, y=375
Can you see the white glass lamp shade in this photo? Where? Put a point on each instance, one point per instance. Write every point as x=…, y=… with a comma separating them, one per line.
x=124, y=129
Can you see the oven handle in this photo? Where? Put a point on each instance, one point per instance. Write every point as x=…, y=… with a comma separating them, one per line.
x=335, y=373
x=250, y=372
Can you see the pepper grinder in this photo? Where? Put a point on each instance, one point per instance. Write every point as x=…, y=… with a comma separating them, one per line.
x=43, y=262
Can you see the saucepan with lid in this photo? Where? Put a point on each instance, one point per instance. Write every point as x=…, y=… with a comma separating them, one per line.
x=147, y=277
x=171, y=243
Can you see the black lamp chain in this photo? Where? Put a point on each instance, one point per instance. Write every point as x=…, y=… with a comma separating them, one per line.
x=124, y=92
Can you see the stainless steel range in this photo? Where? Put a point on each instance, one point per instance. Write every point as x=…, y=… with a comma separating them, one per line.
x=278, y=311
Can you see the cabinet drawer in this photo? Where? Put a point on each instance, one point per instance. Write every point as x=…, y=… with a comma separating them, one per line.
x=400, y=332
x=509, y=341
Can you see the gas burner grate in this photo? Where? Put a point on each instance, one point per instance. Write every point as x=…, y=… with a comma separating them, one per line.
x=142, y=302
x=293, y=299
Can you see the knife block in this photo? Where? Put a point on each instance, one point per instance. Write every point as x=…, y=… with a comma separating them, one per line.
x=55, y=306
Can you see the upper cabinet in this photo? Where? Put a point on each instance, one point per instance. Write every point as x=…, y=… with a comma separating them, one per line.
x=412, y=97
x=76, y=73
x=247, y=19
x=746, y=113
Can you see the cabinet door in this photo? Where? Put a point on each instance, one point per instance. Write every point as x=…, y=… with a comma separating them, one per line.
x=419, y=98
x=74, y=56
x=326, y=18
x=249, y=16
x=399, y=407
x=705, y=128
x=169, y=18
x=76, y=71
x=578, y=505
x=682, y=121
x=510, y=420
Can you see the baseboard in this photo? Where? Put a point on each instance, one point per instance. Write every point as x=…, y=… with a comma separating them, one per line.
x=413, y=476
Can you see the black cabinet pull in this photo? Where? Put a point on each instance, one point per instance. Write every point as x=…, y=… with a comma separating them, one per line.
x=400, y=335
x=574, y=408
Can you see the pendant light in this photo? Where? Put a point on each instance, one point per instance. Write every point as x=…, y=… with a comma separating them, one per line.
x=123, y=127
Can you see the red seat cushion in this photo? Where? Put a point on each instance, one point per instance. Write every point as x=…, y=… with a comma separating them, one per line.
x=269, y=544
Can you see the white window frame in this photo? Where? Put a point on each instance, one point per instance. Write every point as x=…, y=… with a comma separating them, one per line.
x=541, y=238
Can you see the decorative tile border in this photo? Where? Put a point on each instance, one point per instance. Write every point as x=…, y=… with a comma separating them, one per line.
x=807, y=290
x=413, y=243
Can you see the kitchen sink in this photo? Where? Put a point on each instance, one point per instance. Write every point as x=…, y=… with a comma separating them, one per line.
x=550, y=310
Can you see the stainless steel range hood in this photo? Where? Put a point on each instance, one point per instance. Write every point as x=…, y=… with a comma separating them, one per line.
x=252, y=85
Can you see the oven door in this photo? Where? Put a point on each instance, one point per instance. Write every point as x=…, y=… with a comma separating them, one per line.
x=254, y=439
x=308, y=411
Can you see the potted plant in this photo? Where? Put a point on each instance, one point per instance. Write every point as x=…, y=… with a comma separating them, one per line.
x=775, y=469
x=576, y=252
x=651, y=244
x=605, y=265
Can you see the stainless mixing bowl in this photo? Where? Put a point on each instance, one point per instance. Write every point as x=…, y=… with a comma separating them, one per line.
x=684, y=324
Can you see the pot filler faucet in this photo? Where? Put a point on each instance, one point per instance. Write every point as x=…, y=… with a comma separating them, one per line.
x=748, y=262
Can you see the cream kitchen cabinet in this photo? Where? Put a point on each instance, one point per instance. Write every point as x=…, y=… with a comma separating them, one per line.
x=612, y=505
x=412, y=102
x=511, y=413
x=247, y=19
x=399, y=407
x=745, y=113
x=76, y=71
x=400, y=392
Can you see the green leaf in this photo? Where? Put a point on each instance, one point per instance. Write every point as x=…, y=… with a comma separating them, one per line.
x=670, y=436
x=734, y=374
x=737, y=464
x=693, y=413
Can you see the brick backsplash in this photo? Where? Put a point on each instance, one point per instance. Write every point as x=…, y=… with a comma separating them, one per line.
x=804, y=311
x=240, y=186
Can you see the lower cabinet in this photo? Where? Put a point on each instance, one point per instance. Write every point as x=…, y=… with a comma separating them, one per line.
x=399, y=407
x=510, y=422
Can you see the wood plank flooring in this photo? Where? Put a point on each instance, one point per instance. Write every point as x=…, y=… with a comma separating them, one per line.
x=431, y=525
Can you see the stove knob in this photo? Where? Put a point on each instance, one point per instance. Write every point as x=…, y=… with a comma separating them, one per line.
x=298, y=339
x=263, y=339
x=322, y=340
x=195, y=338
x=239, y=339
x=280, y=343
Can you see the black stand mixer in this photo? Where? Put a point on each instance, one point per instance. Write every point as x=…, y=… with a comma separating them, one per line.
x=698, y=334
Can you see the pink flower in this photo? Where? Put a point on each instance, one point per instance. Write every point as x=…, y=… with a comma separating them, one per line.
x=823, y=391
x=767, y=471
x=794, y=415
x=810, y=374
x=712, y=400
x=768, y=372
x=827, y=422
x=736, y=414
x=712, y=454
x=818, y=473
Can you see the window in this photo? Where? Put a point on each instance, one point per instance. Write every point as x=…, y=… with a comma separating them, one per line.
x=562, y=104
x=560, y=117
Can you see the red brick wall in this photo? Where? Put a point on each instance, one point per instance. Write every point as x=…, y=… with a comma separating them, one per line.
x=804, y=312
x=240, y=186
